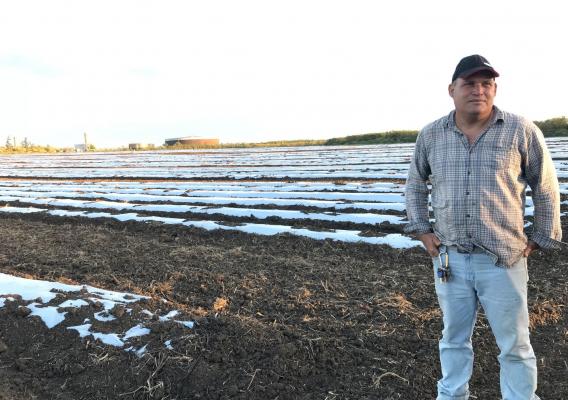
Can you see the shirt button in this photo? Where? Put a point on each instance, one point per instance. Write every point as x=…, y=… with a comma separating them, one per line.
x=468, y=172
x=468, y=215
x=469, y=236
x=467, y=193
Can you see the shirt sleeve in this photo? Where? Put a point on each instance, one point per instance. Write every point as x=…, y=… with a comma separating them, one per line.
x=541, y=177
x=416, y=191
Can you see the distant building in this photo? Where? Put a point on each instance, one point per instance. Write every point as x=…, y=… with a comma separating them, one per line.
x=193, y=141
x=140, y=146
x=79, y=148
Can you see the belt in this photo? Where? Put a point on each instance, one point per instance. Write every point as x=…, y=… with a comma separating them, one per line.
x=476, y=249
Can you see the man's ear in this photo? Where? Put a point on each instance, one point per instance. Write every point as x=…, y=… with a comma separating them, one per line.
x=451, y=90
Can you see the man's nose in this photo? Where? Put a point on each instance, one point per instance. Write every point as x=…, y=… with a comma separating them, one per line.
x=477, y=88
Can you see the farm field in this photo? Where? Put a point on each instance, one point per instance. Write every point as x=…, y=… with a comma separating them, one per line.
x=246, y=274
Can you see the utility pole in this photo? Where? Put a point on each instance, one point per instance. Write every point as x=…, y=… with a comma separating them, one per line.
x=86, y=143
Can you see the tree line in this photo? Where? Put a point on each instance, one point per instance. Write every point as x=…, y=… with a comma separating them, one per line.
x=553, y=127
x=550, y=128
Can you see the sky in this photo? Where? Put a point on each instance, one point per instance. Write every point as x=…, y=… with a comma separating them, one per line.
x=259, y=70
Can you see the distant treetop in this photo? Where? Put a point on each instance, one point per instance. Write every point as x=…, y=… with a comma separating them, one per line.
x=554, y=126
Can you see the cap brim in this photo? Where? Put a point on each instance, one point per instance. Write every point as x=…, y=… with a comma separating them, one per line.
x=470, y=72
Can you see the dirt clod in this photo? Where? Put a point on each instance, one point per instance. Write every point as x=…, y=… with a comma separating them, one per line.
x=23, y=311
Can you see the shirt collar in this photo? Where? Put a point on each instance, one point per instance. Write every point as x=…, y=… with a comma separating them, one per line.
x=498, y=115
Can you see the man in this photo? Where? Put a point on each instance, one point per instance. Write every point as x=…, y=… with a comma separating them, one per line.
x=479, y=160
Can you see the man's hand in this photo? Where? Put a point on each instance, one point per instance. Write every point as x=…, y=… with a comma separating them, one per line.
x=531, y=246
x=431, y=242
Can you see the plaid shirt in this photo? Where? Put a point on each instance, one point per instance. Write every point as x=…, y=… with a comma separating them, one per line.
x=478, y=190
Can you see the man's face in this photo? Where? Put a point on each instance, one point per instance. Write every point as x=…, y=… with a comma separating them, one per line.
x=474, y=95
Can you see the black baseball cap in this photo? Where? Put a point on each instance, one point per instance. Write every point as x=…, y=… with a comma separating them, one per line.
x=470, y=65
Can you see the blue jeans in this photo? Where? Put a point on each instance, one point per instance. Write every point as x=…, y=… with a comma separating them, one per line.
x=502, y=293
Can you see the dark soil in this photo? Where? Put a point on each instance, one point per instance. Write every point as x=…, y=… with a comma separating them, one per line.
x=278, y=317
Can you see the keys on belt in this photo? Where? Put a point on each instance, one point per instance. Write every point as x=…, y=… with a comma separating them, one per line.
x=443, y=272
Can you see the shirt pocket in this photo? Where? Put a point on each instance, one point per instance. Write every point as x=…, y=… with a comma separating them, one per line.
x=500, y=157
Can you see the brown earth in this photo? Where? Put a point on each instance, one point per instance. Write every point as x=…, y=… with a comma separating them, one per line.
x=277, y=317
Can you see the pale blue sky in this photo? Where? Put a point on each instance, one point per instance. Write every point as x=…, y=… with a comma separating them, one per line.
x=143, y=71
